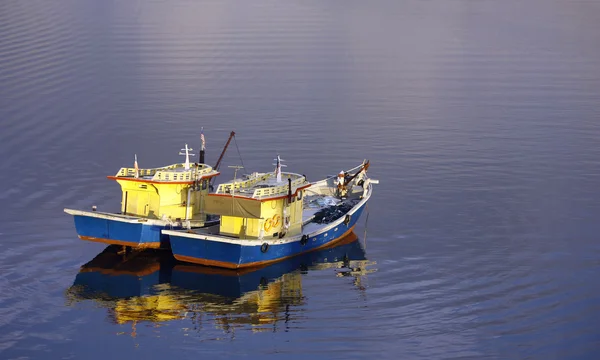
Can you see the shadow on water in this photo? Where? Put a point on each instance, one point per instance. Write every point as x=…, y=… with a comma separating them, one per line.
x=152, y=286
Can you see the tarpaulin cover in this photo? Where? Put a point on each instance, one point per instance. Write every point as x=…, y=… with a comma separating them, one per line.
x=232, y=206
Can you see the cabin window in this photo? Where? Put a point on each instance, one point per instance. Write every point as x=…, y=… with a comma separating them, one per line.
x=204, y=184
x=300, y=195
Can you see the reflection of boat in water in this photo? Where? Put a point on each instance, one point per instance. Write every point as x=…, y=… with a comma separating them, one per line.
x=127, y=285
x=152, y=286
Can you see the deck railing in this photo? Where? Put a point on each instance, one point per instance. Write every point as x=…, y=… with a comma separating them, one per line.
x=173, y=172
x=260, y=192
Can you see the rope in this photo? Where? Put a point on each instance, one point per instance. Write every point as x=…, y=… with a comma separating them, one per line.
x=239, y=154
x=366, y=226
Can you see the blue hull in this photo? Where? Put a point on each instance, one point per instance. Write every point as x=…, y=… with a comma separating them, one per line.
x=232, y=255
x=108, y=231
x=233, y=284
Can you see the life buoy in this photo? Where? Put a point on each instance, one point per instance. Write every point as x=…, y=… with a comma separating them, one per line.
x=268, y=224
x=276, y=219
x=264, y=247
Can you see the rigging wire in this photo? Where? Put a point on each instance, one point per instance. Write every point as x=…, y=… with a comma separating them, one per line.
x=239, y=154
x=366, y=227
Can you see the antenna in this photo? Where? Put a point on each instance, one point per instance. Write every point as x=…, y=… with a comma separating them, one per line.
x=187, y=156
x=278, y=166
x=135, y=167
x=236, y=167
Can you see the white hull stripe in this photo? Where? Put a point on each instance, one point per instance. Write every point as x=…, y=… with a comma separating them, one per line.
x=123, y=218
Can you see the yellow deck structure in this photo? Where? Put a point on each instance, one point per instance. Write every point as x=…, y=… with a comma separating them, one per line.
x=170, y=192
x=261, y=205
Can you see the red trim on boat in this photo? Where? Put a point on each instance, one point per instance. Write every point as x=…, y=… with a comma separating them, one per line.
x=149, y=245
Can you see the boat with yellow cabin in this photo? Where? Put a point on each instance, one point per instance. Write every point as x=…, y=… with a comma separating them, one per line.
x=268, y=217
x=153, y=199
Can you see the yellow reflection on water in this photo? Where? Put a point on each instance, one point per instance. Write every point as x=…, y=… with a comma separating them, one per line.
x=151, y=286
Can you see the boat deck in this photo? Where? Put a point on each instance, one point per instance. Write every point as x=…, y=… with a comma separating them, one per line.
x=313, y=204
x=263, y=185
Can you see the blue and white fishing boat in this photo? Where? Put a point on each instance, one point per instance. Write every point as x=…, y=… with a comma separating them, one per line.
x=153, y=199
x=268, y=217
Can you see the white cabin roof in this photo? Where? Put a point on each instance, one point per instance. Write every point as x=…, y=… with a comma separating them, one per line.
x=263, y=185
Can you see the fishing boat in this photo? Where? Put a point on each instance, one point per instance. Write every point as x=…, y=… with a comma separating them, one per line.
x=153, y=199
x=268, y=217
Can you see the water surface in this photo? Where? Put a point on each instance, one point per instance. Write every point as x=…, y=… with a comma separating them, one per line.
x=480, y=118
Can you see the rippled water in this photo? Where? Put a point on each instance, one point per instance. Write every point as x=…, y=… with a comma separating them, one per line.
x=480, y=118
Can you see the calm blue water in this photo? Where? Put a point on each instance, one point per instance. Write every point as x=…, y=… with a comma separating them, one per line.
x=480, y=118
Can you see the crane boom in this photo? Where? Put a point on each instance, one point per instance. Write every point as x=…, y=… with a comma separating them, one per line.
x=231, y=135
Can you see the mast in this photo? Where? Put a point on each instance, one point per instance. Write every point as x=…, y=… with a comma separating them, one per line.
x=236, y=167
x=278, y=166
x=135, y=166
x=202, y=147
x=187, y=156
x=278, y=169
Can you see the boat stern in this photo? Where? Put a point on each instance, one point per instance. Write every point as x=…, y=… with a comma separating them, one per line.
x=114, y=229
